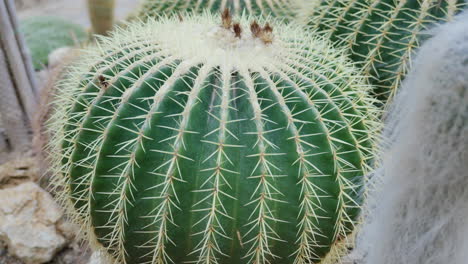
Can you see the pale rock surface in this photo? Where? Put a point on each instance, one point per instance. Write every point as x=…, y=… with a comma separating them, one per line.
x=68, y=229
x=97, y=258
x=18, y=170
x=28, y=218
x=58, y=56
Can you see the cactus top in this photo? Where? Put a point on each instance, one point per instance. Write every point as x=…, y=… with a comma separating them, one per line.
x=210, y=140
x=230, y=44
x=277, y=8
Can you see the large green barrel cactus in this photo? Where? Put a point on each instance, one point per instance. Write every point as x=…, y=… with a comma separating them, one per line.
x=381, y=35
x=208, y=141
x=279, y=8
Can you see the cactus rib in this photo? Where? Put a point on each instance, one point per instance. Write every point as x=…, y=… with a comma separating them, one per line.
x=380, y=35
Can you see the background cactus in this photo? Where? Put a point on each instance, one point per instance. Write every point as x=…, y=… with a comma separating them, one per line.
x=380, y=35
x=214, y=142
x=43, y=34
x=278, y=8
x=101, y=14
x=420, y=214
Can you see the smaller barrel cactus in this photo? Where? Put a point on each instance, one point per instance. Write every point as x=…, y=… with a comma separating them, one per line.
x=43, y=34
x=380, y=35
x=277, y=8
x=211, y=140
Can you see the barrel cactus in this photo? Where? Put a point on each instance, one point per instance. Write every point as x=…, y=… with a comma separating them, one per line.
x=211, y=141
x=380, y=35
x=279, y=8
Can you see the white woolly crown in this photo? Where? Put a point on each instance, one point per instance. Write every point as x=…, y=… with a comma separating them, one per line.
x=203, y=39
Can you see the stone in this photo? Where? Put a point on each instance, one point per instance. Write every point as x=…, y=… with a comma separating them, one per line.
x=42, y=78
x=28, y=218
x=74, y=253
x=68, y=229
x=18, y=170
x=97, y=258
x=59, y=56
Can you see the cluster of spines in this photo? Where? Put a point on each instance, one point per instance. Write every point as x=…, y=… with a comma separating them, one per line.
x=114, y=68
x=380, y=35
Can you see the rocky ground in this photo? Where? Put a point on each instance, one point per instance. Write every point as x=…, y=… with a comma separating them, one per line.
x=33, y=228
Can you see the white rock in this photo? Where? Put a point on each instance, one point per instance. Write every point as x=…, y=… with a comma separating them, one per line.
x=18, y=170
x=59, y=55
x=68, y=229
x=42, y=77
x=28, y=217
x=98, y=258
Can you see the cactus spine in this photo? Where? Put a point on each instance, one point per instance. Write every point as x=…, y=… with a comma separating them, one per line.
x=278, y=8
x=210, y=141
x=380, y=35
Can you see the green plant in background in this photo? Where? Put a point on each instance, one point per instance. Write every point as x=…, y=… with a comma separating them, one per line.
x=278, y=8
x=44, y=34
x=380, y=35
x=208, y=140
x=101, y=14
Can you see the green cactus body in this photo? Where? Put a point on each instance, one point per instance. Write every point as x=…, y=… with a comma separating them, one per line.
x=278, y=8
x=195, y=142
x=381, y=35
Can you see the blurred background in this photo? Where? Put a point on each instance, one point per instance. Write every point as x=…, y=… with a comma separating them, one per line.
x=72, y=10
